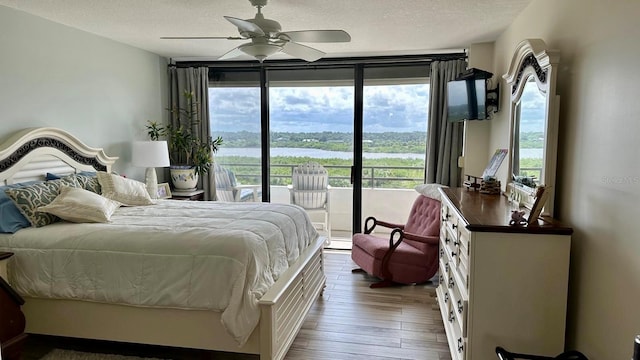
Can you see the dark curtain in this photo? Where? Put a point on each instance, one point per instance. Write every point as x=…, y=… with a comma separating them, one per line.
x=196, y=81
x=444, y=144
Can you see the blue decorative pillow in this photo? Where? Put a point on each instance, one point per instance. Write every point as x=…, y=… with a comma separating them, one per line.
x=11, y=219
x=51, y=176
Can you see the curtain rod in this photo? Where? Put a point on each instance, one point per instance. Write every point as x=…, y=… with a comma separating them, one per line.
x=374, y=60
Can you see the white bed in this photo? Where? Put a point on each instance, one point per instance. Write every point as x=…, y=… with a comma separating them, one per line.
x=280, y=276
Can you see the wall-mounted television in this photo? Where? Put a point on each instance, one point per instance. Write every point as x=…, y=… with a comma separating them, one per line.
x=467, y=96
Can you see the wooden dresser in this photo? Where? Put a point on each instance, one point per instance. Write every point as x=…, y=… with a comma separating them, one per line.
x=12, y=320
x=500, y=285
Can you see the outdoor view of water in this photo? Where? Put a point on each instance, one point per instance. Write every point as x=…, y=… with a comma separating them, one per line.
x=326, y=154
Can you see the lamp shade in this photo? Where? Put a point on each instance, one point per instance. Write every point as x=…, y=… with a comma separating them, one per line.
x=150, y=154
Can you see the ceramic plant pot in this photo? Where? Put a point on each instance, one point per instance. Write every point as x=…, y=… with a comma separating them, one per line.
x=184, y=178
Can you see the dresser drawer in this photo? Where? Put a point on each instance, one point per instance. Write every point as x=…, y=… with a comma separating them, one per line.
x=457, y=342
x=449, y=217
x=458, y=307
x=463, y=253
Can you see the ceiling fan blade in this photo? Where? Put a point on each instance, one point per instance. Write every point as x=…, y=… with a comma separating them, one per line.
x=231, y=54
x=317, y=36
x=245, y=26
x=202, y=37
x=301, y=51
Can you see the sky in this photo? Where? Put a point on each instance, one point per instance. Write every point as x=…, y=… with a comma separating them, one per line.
x=400, y=108
x=310, y=109
x=533, y=105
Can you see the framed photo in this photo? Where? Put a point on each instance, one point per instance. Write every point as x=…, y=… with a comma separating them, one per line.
x=542, y=193
x=494, y=164
x=164, y=191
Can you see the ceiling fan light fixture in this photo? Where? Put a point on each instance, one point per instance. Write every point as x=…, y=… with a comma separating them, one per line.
x=260, y=51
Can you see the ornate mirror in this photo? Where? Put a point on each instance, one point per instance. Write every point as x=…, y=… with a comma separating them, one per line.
x=534, y=123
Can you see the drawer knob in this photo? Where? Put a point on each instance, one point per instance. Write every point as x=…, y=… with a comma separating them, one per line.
x=441, y=278
x=446, y=297
x=460, y=345
x=454, y=226
x=459, y=306
x=451, y=283
x=441, y=252
x=456, y=243
x=451, y=316
x=453, y=253
x=446, y=239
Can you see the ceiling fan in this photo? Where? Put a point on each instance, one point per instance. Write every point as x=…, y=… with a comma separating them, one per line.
x=267, y=38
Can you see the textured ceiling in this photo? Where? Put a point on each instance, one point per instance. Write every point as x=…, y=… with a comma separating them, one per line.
x=377, y=27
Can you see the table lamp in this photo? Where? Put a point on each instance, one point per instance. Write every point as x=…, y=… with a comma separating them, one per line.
x=150, y=154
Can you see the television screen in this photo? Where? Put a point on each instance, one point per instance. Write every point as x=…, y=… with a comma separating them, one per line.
x=467, y=100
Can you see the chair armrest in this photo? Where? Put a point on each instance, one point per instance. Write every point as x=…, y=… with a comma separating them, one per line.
x=390, y=225
x=431, y=240
x=368, y=228
x=248, y=186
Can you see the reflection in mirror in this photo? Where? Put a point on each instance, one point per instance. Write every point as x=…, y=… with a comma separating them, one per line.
x=534, y=123
x=529, y=135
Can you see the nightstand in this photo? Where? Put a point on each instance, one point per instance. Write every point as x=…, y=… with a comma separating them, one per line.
x=196, y=195
x=12, y=322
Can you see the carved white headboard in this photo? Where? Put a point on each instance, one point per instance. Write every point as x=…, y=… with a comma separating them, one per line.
x=30, y=153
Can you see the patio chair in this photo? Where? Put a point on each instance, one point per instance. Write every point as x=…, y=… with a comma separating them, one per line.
x=310, y=189
x=409, y=255
x=228, y=188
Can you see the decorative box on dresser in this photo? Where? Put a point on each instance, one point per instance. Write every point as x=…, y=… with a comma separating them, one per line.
x=500, y=284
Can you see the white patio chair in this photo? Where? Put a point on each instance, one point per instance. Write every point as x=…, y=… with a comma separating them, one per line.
x=228, y=189
x=310, y=189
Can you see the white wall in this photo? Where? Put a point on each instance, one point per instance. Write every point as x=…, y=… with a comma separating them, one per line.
x=476, y=150
x=99, y=90
x=598, y=184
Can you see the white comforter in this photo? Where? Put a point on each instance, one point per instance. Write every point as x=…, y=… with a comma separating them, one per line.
x=177, y=254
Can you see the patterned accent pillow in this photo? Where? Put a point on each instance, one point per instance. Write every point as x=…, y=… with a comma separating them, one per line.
x=86, y=180
x=81, y=206
x=126, y=191
x=90, y=183
x=29, y=198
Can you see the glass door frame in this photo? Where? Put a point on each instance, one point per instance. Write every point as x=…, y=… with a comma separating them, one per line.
x=358, y=68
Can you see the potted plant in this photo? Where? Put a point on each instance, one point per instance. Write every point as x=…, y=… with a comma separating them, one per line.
x=190, y=156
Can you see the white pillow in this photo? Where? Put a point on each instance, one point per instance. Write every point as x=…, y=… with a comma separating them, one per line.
x=126, y=191
x=430, y=190
x=80, y=206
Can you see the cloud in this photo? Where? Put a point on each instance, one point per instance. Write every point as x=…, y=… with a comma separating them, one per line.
x=532, y=109
x=302, y=109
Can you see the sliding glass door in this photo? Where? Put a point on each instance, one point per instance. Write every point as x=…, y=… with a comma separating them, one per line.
x=394, y=137
x=235, y=113
x=366, y=125
x=311, y=120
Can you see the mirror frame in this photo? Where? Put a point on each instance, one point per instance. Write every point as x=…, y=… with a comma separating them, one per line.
x=532, y=58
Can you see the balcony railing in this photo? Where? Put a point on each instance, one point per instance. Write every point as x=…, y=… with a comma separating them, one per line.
x=339, y=175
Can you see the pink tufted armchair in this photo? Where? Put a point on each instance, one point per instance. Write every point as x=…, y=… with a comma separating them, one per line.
x=409, y=255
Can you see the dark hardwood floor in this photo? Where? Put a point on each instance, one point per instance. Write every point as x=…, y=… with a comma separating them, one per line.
x=351, y=321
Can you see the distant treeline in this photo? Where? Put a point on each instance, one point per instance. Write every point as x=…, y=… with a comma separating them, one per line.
x=532, y=140
x=385, y=142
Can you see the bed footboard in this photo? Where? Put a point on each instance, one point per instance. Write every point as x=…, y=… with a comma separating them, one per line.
x=283, y=309
x=284, y=306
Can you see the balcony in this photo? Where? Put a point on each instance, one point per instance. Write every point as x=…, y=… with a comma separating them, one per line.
x=382, y=196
